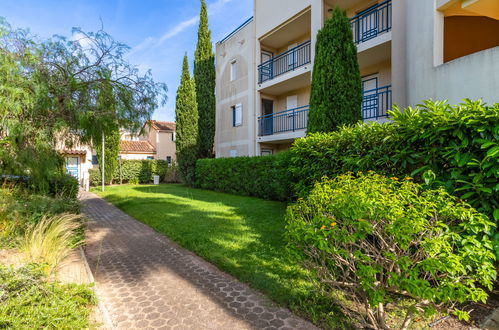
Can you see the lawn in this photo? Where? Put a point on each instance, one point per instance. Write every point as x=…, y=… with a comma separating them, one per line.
x=243, y=236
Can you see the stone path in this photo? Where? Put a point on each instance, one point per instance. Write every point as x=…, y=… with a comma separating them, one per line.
x=147, y=281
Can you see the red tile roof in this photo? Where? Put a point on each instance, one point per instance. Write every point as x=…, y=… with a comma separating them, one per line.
x=136, y=146
x=163, y=125
x=72, y=152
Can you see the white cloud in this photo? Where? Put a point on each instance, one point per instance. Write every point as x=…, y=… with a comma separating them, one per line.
x=83, y=40
x=179, y=28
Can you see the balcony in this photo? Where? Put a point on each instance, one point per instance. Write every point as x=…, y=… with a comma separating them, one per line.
x=376, y=102
x=284, y=121
x=285, y=62
x=372, y=22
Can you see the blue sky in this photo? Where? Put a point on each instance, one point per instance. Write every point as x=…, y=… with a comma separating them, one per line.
x=159, y=32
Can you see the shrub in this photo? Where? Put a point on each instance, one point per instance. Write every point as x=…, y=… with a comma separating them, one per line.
x=95, y=177
x=51, y=239
x=141, y=170
x=172, y=174
x=64, y=186
x=336, y=91
x=380, y=241
x=134, y=181
x=29, y=301
x=457, y=146
x=264, y=177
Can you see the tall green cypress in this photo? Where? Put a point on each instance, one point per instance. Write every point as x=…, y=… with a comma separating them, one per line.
x=186, y=116
x=336, y=92
x=204, y=75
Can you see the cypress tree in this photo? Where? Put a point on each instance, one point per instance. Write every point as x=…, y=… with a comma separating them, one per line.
x=186, y=116
x=204, y=75
x=336, y=92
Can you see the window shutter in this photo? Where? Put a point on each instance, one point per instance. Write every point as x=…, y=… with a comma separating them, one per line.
x=238, y=116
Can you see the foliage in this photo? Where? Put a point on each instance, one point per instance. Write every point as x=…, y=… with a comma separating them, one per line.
x=64, y=186
x=28, y=301
x=20, y=209
x=243, y=236
x=336, y=91
x=380, y=240
x=171, y=174
x=265, y=176
x=141, y=170
x=111, y=153
x=61, y=90
x=186, y=115
x=94, y=177
x=51, y=240
x=451, y=146
x=204, y=76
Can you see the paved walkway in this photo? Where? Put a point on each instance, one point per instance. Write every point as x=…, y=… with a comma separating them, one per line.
x=147, y=281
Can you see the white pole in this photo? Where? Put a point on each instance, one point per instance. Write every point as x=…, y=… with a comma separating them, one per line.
x=103, y=165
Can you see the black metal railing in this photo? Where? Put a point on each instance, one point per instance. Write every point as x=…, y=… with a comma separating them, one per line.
x=284, y=121
x=285, y=62
x=376, y=102
x=372, y=22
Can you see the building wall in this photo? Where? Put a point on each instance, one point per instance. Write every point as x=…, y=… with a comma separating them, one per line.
x=229, y=93
x=473, y=76
x=270, y=14
x=165, y=145
x=137, y=156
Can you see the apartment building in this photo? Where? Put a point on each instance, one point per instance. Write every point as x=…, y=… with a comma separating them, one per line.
x=408, y=51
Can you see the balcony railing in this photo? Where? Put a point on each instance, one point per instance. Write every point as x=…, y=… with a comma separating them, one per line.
x=372, y=22
x=285, y=62
x=376, y=102
x=284, y=121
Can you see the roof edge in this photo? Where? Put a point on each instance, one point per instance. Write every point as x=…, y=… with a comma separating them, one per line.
x=239, y=28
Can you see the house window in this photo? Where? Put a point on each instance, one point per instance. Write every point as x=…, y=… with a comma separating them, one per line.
x=174, y=137
x=266, y=152
x=169, y=159
x=150, y=157
x=237, y=115
x=233, y=153
x=233, y=70
x=94, y=160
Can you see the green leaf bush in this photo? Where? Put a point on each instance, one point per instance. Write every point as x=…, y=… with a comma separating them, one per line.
x=265, y=176
x=451, y=146
x=64, y=186
x=380, y=240
x=141, y=170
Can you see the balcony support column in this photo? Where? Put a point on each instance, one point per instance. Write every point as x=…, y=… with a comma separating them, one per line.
x=317, y=13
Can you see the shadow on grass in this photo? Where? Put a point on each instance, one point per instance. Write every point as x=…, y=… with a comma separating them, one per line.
x=243, y=236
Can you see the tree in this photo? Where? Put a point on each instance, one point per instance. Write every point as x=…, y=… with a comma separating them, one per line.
x=186, y=116
x=336, y=92
x=204, y=75
x=112, y=151
x=50, y=90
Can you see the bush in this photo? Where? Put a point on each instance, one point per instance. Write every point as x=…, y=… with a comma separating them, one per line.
x=380, y=241
x=172, y=174
x=29, y=301
x=265, y=177
x=141, y=170
x=454, y=147
x=64, y=186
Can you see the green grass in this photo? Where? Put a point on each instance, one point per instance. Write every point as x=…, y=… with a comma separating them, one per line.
x=28, y=301
x=243, y=236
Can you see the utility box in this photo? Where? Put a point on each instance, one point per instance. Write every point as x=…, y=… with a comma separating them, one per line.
x=156, y=179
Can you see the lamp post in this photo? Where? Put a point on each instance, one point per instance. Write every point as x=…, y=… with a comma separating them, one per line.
x=102, y=166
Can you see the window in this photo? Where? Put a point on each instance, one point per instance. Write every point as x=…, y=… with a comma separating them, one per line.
x=150, y=157
x=94, y=160
x=237, y=115
x=169, y=159
x=233, y=153
x=174, y=137
x=233, y=70
x=266, y=152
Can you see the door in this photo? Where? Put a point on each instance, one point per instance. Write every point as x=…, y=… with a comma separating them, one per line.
x=292, y=56
x=73, y=166
x=266, y=67
x=370, y=102
x=267, y=122
x=291, y=120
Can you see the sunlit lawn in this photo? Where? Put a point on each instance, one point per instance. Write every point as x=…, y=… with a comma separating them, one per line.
x=241, y=235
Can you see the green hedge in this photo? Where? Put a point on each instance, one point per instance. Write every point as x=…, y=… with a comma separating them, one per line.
x=264, y=177
x=141, y=170
x=451, y=146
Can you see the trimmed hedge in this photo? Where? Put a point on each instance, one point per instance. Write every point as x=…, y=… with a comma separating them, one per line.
x=138, y=170
x=265, y=176
x=441, y=145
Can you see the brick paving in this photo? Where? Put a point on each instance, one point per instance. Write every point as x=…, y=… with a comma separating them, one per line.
x=147, y=281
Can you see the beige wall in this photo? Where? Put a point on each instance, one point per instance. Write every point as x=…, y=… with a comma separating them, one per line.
x=270, y=14
x=238, y=47
x=137, y=156
x=383, y=71
x=162, y=142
